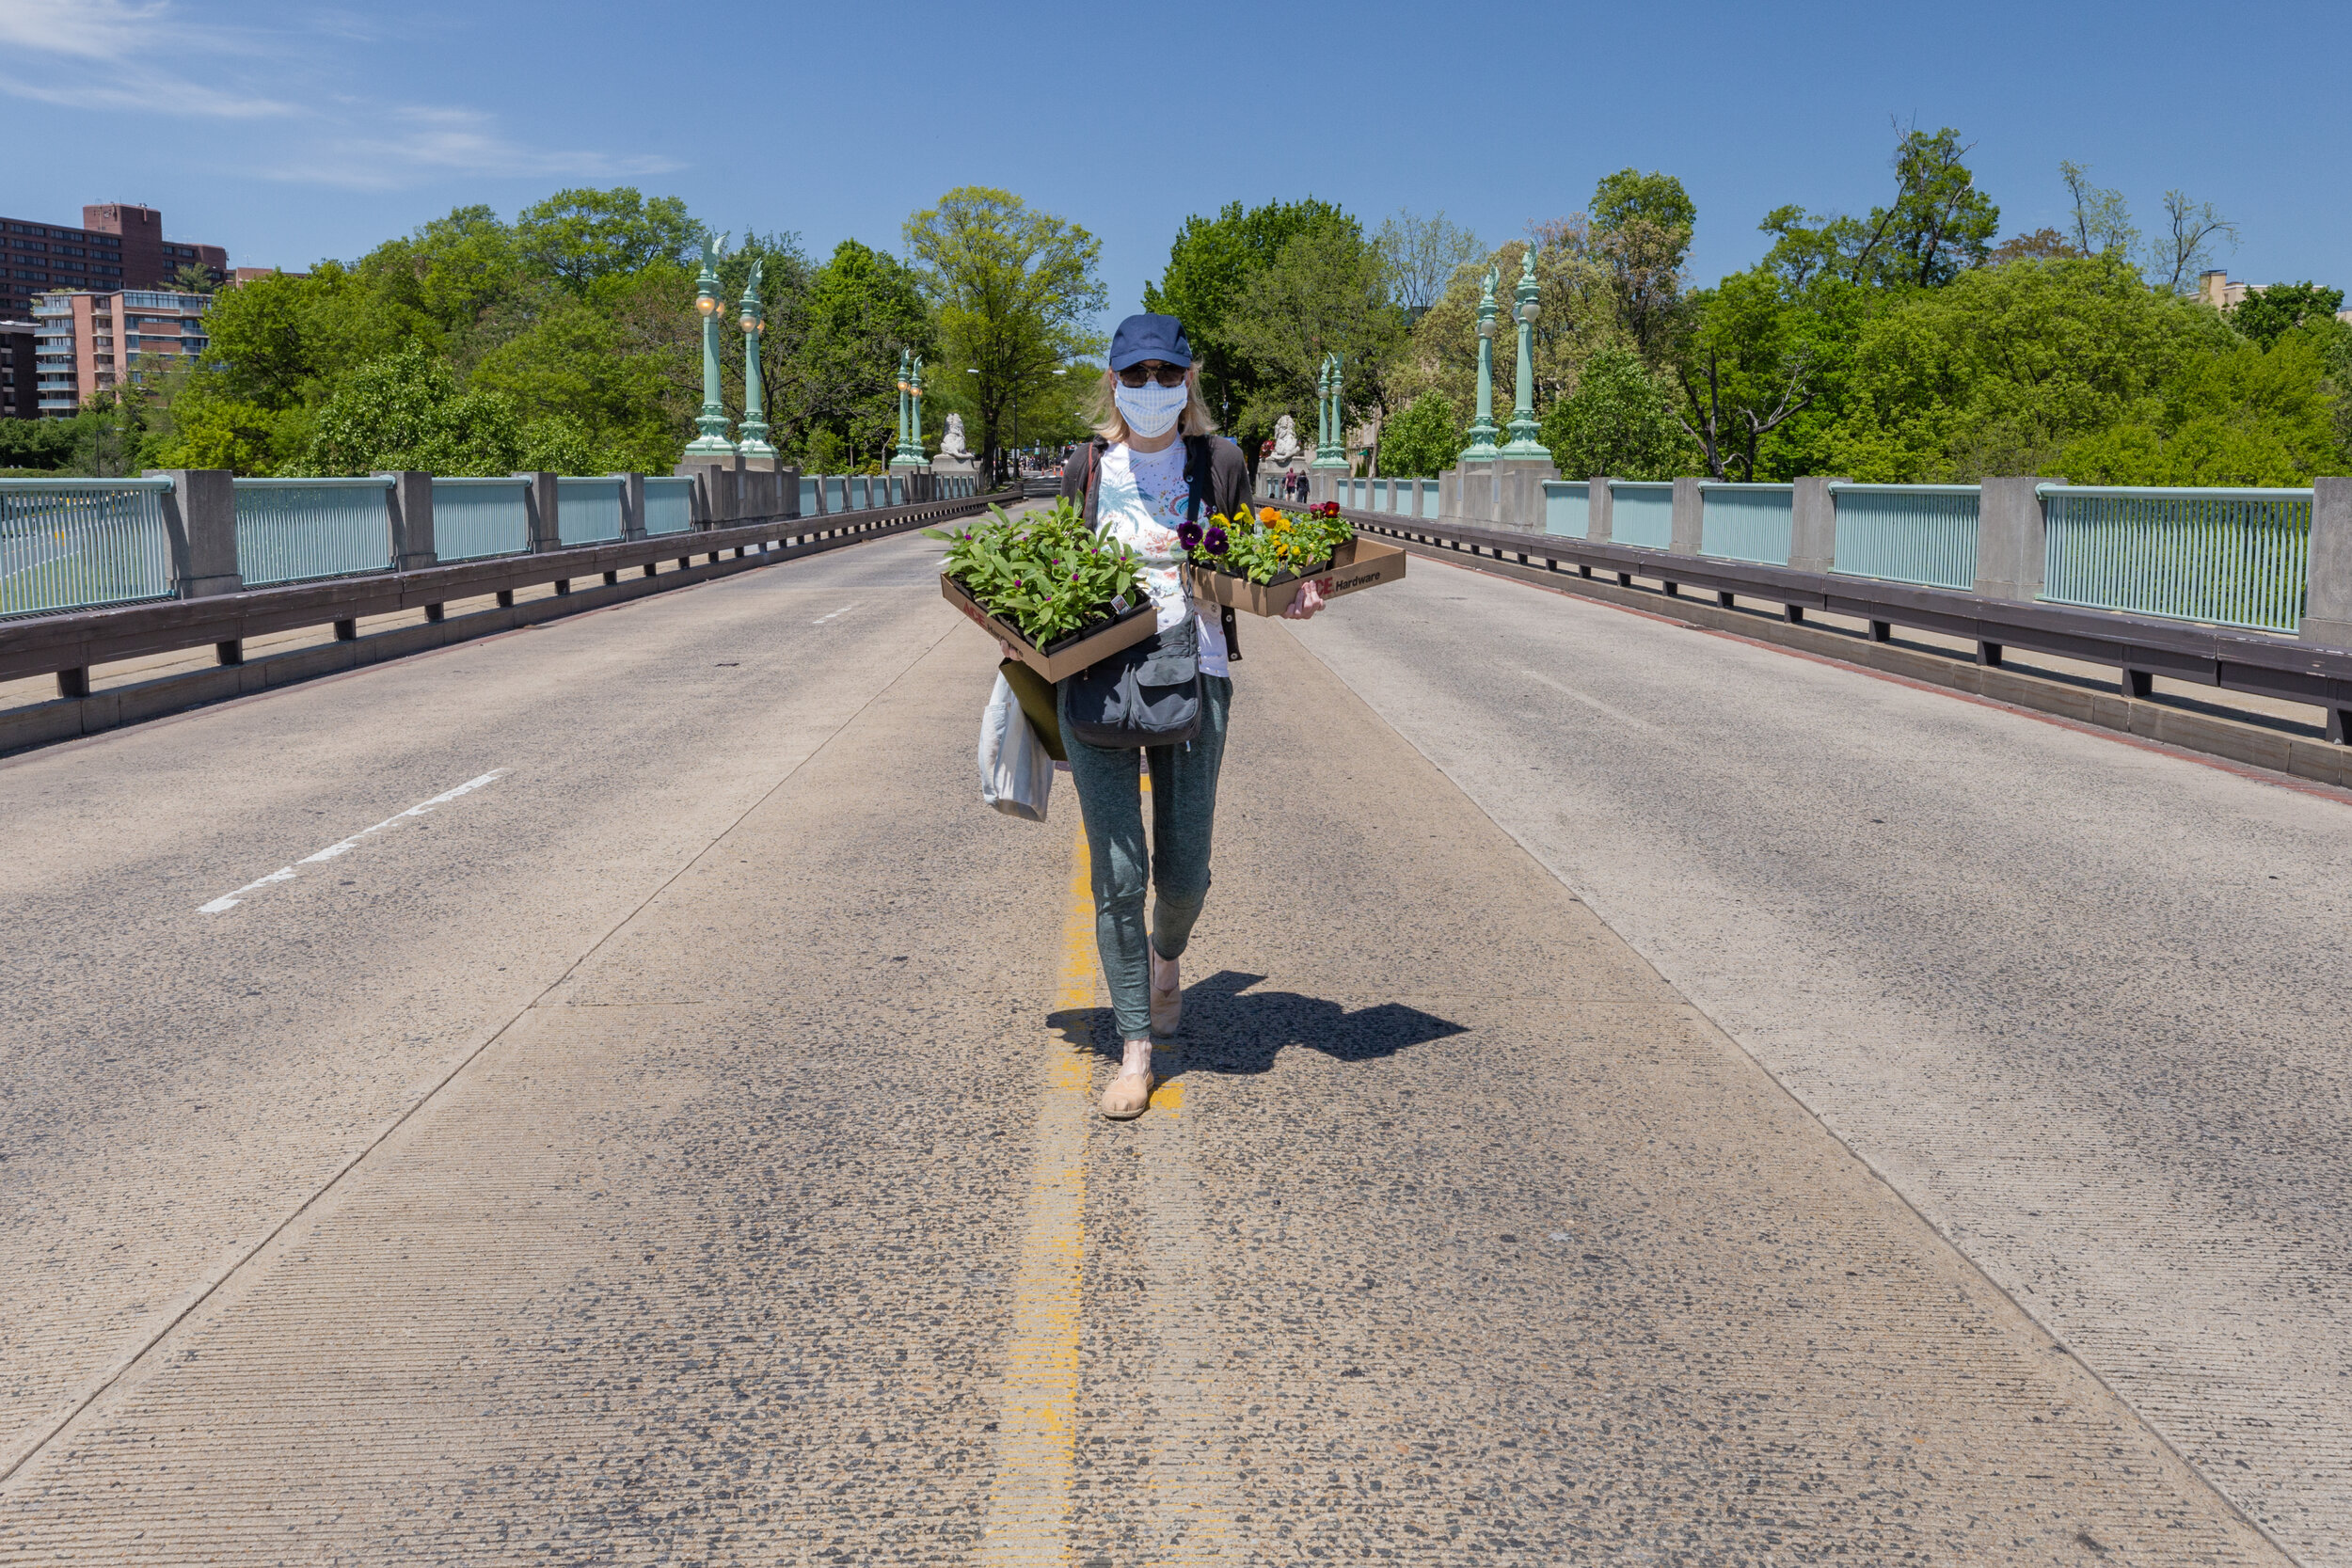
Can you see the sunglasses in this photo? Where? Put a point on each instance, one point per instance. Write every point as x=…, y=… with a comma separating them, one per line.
x=1166, y=375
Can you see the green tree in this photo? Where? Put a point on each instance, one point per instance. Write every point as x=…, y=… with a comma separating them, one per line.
x=861, y=308
x=2101, y=219
x=2185, y=249
x=1616, y=423
x=1757, y=356
x=1210, y=268
x=2271, y=313
x=1422, y=255
x=406, y=411
x=1015, y=291
x=1422, y=440
x=1642, y=226
x=1938, y=227
x=2075, y=366
x=1326, y=293
x=581, y=236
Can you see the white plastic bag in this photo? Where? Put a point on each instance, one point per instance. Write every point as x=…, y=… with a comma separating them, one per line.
x=1016, y=773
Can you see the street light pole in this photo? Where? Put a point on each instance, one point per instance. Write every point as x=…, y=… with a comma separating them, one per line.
x=712, y=423
x=753, y=322
x=1482, y=431
x=1524, y=431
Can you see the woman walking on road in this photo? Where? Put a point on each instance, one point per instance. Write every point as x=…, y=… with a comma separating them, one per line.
x=1153, y=453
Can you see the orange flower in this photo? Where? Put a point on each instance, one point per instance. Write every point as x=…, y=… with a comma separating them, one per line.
x=1267, y=513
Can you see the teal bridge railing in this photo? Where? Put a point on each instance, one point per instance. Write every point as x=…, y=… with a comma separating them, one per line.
x=589, y=510
x=1746, y=522
x=1641, y=514
x=1922, y=533
x=2230, y=557
x=293, y=529
x=669, y=505
x=72, y=544
x=473, y=519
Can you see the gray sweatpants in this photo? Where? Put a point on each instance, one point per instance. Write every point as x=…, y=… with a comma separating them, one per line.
x=1184, y=814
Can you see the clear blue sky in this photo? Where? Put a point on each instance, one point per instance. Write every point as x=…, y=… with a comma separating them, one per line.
x=290, y=132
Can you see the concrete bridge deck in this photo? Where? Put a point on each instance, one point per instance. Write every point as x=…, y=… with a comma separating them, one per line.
x=1645, y=1098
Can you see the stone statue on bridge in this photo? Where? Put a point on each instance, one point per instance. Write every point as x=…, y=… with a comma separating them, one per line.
x=955, y=457
x=1286, y=447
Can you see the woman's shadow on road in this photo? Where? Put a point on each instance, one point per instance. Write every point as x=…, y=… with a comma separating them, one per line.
x=1225, y=1031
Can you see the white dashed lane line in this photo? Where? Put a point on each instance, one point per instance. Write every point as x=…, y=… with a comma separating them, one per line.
x=823, y=619
x=286, y=874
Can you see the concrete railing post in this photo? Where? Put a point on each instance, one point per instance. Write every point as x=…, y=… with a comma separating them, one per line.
x=541, y=512
x=2011, y=539
x=788, y=488
x=1598, y=514
x=2327, y=602
x=201, y=517
x=412, y=520
x=1813, y=525
x=715, y=492
x=632, y=506
x=1690, y=518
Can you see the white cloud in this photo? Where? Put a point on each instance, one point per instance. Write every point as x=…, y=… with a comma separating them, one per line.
x=100, y=54
x=409, y=144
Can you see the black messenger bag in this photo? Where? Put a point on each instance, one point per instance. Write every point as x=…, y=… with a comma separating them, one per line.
x=1147, y=695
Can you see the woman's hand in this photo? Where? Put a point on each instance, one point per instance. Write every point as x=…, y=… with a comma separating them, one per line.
x=1006, y=648
x=1306, y=602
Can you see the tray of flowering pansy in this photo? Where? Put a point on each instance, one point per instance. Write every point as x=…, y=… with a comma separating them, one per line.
x=1059, y=594
x=1255, y=561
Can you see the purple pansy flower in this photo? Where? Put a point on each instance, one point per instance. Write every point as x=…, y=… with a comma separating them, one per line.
x=1214, y=541
x=1189, y=534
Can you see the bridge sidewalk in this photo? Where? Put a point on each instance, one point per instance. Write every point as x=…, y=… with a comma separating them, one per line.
x=1456, y=1235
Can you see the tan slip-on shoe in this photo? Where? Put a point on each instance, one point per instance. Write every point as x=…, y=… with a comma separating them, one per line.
x=1127, y=1096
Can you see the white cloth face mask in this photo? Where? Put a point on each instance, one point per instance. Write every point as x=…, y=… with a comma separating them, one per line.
x=1150, y=409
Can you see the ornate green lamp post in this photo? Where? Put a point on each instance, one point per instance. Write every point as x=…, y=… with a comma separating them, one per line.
x=712, y=423
x=914, y=409
x=753, y=322
x=1331, y=450
x=1523, y=441
x=909, y=451
x=1323, y=411
x=1481, y=432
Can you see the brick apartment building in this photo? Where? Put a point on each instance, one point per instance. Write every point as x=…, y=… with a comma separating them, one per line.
x=89, y=342
x=118, y=247
x=110, y=310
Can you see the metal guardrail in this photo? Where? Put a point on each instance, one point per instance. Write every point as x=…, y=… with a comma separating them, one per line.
x=293, y=529
x=670, y=505
x=588, y=510
x=474, y=519
x=1641, y=514
x=68, y=544
x=1747, y=522
x=2232, y=557
x=1922, y=533
x=2139, y=647
x=68, y=645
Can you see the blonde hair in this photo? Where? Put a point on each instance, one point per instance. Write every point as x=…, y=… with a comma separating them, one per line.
x=1109, y=425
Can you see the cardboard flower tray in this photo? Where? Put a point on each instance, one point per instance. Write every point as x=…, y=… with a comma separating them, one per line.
x=1359, y=565
x=1069, y=655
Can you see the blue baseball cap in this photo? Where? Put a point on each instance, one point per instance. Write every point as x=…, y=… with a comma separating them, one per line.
x=1142, y=338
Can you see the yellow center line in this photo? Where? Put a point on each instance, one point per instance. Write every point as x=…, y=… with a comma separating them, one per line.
x=1028, y=1497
